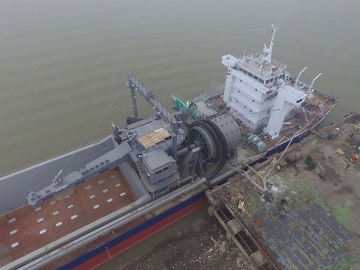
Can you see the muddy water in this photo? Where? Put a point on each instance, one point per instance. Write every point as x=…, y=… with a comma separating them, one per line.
x=64, y=62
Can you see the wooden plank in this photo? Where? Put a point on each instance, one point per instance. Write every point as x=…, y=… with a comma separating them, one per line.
x=152, y=138
x=339, y=151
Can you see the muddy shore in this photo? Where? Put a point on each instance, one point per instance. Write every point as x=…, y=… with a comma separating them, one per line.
x=206, y=248
x=334, y=183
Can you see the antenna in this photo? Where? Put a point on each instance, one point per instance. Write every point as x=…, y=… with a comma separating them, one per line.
x=268, y=51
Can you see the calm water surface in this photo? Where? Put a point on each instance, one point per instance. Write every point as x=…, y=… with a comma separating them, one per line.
x=62, y=63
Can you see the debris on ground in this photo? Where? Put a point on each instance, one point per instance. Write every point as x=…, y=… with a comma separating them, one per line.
x=206, y=249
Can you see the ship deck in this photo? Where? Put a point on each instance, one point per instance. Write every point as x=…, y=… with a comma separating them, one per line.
x=308, y=115
x=27, y=229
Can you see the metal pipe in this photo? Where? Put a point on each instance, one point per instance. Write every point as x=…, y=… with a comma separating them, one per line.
x=222, y=177
x=133, y=96
x=307, y=121
x=57, y=251
x=309, y=89
x=320, y=104
x=297, y=79
x=264, y=181
x=182, y=151
x=248, y=177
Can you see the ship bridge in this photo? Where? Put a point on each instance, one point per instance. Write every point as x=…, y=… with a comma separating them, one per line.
x=253, y=66
x=252, y=84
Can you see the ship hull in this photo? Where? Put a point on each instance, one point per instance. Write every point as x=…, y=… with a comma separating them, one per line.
x=136, y=235
x=99, y=255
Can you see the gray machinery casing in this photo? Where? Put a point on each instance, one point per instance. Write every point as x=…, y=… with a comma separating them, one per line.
x=230, y=129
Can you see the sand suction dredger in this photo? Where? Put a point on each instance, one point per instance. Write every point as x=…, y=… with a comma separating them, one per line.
x=154, y=170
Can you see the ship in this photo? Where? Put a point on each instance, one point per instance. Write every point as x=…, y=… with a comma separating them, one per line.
x=79, y=209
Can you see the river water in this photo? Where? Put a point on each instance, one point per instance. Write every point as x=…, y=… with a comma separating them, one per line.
x=63, y=63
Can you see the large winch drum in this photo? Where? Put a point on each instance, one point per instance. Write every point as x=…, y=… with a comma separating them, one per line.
x=230, y=129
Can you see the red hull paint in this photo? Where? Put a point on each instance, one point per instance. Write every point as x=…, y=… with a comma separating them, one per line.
x=141, y=236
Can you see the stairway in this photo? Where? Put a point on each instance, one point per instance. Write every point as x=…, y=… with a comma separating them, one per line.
x=138, y=162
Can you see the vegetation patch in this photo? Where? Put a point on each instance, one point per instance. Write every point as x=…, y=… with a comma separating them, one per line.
x=300, y=186
x=323, y=204
x=357, y=166
x=344, y=264
x=343, y=214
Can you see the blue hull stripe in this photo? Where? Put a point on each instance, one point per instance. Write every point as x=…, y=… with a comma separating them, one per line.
x=83, y=258
x=121, y=238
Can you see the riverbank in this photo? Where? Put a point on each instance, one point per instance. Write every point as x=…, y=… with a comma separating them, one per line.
x=332, y=185
x=206, y=248
x=308, y=217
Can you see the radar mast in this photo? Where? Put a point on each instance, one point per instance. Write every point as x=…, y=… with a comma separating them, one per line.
x=268, y=51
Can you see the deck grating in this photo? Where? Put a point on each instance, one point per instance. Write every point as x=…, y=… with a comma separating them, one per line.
x=35, y=228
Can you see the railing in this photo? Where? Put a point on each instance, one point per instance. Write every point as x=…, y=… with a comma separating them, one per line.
x=152, y=188
x=317, y=91
x=66, y=172
x=151, y=97
x=265, y=74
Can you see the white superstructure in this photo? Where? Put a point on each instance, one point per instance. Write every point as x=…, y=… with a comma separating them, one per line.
x=254, y=84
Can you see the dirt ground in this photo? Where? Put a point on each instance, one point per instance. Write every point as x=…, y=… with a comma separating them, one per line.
x=330, y=180
x=195, y=250
x=330, y=183
x=334, y=182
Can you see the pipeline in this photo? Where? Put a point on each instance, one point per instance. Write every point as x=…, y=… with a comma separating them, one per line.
x=63, y=248
x=222, y=177
x=225, y=151
x=219, y=145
